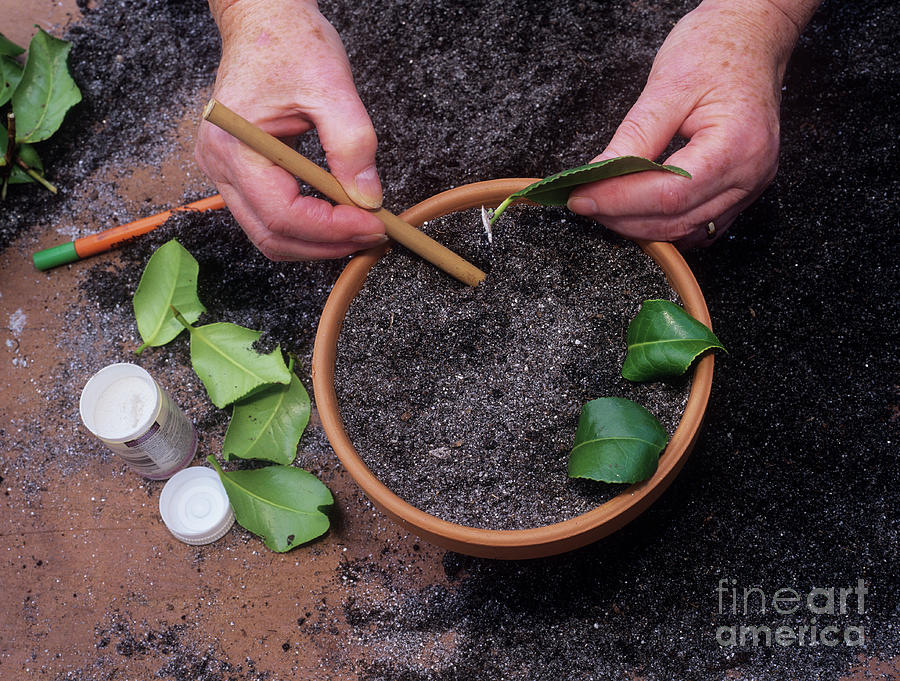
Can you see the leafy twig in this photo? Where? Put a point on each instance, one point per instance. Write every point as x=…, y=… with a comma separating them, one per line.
x=36, y=176
x=40, y=93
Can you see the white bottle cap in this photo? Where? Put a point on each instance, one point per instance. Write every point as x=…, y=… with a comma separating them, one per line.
x=194, y=506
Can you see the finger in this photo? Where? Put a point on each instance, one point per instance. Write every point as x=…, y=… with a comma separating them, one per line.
x=271, y=195
x=349, y=140
x=279, y=247
x=708, y=234
x=266, y=201
x=675, y=228
x=649, y=125
x=638, y=195
x=745, y=168
x=646, y=131
x=659, y=193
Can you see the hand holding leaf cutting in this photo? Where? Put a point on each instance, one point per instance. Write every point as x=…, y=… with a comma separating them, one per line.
x=555, y=189
x=723, y=97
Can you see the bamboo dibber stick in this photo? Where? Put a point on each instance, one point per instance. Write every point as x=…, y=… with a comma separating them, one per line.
x=298, y=165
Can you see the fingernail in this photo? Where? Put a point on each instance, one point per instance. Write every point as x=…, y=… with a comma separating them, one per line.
x=582, y=205
x=370, y=239
x=368, y=188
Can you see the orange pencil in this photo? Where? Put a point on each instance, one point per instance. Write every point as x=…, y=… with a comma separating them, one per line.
x=101, y=242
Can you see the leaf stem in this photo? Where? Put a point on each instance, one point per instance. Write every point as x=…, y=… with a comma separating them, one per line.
x=211, y=460
x=500, y=209
x=36, y=176
x=181, y=319
x=11, y=159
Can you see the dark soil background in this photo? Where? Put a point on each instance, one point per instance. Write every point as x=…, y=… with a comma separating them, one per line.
x=794, y=482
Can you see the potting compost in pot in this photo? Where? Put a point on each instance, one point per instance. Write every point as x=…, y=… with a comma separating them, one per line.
x=464, y=401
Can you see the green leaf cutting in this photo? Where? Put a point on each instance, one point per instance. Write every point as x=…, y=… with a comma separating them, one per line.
x=285, y=506
x=46, y=91
x=663, y=340
x=555, y=189
x=10, y=75
x=617, y=440
x=9, y=48
x=224, y=358
x=169, y=281
x=268, y=425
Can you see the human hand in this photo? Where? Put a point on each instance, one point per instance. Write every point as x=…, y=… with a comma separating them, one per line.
x=716, y=81
x=284, y=68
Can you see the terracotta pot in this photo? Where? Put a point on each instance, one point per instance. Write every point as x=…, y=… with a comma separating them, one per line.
x=506, y=544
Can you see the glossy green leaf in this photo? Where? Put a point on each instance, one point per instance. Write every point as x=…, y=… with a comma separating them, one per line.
x=555, y=190
x=285, y=506
x=617, y=440
x=268, y=424
x=46, y=91
x=27, y=153
x=9, y=48
x=662, y=342
x=10, y=75
x=169, y=281
x=224, y=358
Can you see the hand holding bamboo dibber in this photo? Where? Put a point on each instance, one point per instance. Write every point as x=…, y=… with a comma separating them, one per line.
x=298, y=165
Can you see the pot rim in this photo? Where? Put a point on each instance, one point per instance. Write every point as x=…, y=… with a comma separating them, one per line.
x=525, y=543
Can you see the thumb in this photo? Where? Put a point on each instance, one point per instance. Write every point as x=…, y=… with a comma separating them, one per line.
x=649, y=125
x=646, y=131
x=349, y=141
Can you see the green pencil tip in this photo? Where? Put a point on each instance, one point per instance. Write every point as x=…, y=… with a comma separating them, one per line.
x=55, y=256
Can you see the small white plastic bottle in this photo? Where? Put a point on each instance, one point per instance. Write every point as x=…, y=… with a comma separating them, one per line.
x=134, y=417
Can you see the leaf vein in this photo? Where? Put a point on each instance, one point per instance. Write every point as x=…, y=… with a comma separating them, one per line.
x=218, y=351
x=263, y=500
x=673, y=340
x=615, y=438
